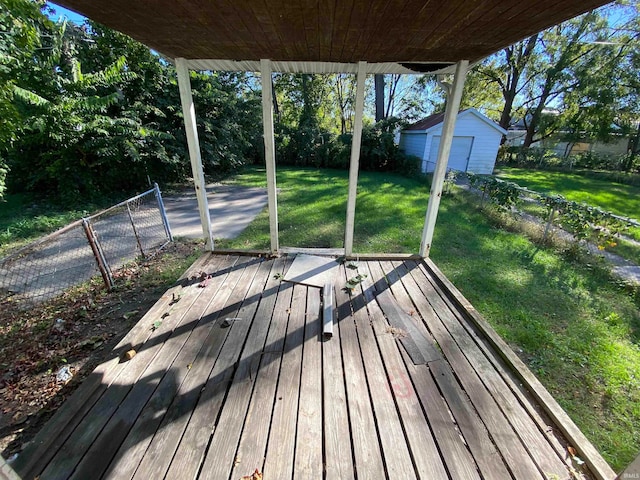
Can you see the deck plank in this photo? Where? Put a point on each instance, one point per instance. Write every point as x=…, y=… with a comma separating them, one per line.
x=506, y=439
x=364, y=434
x=538, y=447
x=221, y=453
x=159, y=453
x=397, y=457
x=281, y=445
x=524, y=396
x=154, y=388
x=414, y=382
x=74, y=448
x=133, y=448
x=191, y=449
x=338, y=460
x=253, y=442
x=419, y=437
x=308, y=455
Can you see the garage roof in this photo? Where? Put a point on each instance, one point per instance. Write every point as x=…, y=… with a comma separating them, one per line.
x=417, y=35
x=436, y=119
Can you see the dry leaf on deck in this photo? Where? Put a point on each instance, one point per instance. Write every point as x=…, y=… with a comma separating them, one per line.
x=256, y=475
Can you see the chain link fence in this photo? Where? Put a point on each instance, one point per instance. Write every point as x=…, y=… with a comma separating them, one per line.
x=96, y=245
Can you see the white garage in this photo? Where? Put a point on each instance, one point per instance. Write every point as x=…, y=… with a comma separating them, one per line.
x=475, y=142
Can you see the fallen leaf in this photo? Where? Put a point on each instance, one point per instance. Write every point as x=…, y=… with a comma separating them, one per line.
x=256, y=475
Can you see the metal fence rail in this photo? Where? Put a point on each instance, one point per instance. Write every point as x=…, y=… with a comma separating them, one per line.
x=96, y=245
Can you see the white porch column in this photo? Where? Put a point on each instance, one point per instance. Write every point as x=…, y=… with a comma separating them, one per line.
x=355, y=158
x=450, y=115
x=190, y=126
x=269, y=151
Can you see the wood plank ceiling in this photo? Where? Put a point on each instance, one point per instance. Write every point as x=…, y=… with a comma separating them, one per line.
x=345, y=31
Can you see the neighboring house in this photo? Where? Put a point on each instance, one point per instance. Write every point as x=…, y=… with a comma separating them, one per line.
x=618, y=145
x=475, y=142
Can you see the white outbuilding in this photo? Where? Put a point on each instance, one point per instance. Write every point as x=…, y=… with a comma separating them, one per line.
x=476, y=140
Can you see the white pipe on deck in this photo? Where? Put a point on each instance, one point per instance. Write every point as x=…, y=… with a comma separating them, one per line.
x=450, y=115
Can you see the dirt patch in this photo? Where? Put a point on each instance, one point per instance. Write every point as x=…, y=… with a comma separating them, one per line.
x=48, y=349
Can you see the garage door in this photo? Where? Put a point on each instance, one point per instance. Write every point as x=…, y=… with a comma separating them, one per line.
x=460, y=152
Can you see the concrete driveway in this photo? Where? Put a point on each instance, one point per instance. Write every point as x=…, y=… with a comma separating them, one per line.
x=231, y=209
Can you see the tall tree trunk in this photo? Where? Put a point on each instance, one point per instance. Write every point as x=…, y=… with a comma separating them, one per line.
x=379, y=84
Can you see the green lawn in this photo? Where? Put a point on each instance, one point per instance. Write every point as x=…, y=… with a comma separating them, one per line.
x=578, y=332
x=618, y=198
x=23, y=218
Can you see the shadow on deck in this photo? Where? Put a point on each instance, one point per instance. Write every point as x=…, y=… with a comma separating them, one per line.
x=235, y=376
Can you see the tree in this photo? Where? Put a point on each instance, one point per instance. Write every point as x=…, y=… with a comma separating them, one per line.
x=563, y=79
x=21, y=25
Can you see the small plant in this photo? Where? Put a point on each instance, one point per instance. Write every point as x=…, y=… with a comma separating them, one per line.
x=353, y=282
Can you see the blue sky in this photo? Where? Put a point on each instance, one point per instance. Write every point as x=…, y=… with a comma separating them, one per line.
x=63, y=12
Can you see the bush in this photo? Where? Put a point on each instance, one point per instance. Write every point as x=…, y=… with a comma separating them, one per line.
x=314, y=147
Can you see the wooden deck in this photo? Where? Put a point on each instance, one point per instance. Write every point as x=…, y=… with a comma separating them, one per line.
x=234, y=376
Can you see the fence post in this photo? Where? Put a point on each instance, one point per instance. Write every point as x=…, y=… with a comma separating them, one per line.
x=163, y=212
x=549, y=223
x=135, y=231
x=105, y=271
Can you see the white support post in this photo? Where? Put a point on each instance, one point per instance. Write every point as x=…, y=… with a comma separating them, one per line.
x=355, y=159
x=269, y=152
x=450, y=115
x=190, y=126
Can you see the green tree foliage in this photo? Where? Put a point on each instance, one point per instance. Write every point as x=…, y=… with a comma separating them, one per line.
x=569, y=79
x=21, y=45
x=88, y=111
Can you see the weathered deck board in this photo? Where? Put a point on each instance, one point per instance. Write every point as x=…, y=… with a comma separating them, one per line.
x=507, y=441
x=281, y=448
x=195, y=439
x=397, y=458
x=132, y=387
x=421, y=442
x=161, y=450
x=337, y=438
x=222, y=449
x=253, y=443
x=364, y=434
x=40, y=451
x=238, y=377
x=308, y=456
x=538, y=447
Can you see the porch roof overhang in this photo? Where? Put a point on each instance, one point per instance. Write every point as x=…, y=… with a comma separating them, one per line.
x=392, y=36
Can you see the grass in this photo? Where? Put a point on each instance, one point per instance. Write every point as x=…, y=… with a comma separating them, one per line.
x=618, y=198
x=578, y=331
x=312, y=205
x=24, y=218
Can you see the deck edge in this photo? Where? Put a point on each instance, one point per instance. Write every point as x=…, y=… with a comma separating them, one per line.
x=594, y=460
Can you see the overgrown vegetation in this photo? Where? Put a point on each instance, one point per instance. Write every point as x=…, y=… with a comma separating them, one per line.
x=585, y=222
x=575, y=328
x=620, y=199
x=536, y=157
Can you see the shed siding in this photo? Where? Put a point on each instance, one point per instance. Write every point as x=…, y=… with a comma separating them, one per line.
x=412, y=143
x=483, y=153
